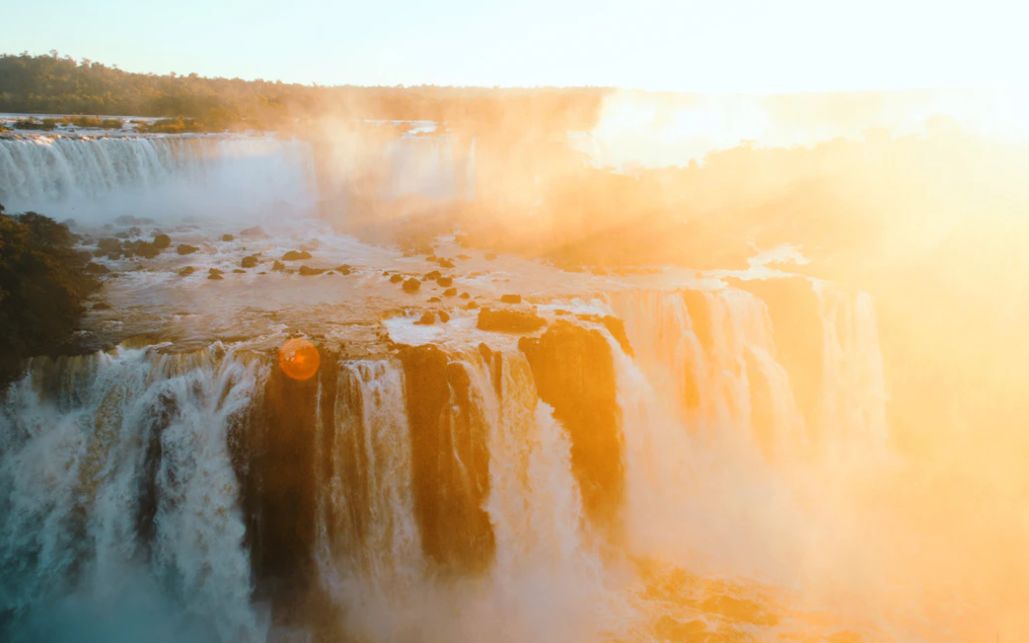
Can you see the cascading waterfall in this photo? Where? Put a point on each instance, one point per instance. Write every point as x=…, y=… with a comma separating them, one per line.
x=447, y=495
x=167, y=176
x=119, y=488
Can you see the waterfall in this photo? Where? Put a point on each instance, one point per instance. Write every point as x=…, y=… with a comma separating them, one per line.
x=165, y=177
x=118, y=488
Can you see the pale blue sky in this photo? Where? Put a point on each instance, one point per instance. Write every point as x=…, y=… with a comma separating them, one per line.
x=729, y=45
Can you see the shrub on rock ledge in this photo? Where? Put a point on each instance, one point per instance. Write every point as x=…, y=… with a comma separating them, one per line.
x=43, y=283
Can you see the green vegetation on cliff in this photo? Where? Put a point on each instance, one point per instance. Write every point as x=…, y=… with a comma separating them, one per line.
x=43, y=282
x=51, y=84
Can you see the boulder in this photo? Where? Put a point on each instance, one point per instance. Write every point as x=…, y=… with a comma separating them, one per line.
x=446, y=282
x=511, y=299
x=186, y=249
x=296, y=255
x=187, y=271
x=450, y=292
x=432, y=276
x=161, y=241
x=396, y=279
x=344, y=269
x=308, y=271
x=278, y=266
x=228, y=237
x=250, y=261
x=510, y=321
x=427, y=319
x=412, y=285
x=444, y=316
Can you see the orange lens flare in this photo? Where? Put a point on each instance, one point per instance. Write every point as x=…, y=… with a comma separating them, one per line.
x=299, y=359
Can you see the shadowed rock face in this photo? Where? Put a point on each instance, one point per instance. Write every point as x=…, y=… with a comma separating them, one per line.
x=575, y=374
x=450, y=461
x=280, y=481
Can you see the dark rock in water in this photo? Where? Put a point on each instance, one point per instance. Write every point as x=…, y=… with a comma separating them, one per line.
x=141, y=249
x=445, y=263
x=239, y=271
x=412, y=285
x=427, y=319
x=94, y=268
x=510, y=321
x=449, y=461
x=445, y=282
x=575, y=374
x=296, y=255
x=109, y=247
x=186, y=249
x=278, y=266
x=161, y=241
x=187, y=271
x=432, y=276
x=450, y=292
x=465, y=295
x=434, y=300
x=344, y=269
x=396, y=279
x=511, y=299
x=250, y=261
x=615, y=326
x=215, y=277
x=444, y=316
x=307, y=271
x=228, y=237
x=127, y=219
x=256, y=232
x=214, y=273
x=472, y=305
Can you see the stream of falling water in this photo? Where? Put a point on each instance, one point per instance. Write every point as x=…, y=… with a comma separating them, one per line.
x=119, y=517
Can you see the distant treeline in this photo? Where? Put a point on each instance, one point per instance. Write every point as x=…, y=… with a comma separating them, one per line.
x=50, y=84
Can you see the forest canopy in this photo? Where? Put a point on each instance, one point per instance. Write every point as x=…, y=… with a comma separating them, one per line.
x=52, y=84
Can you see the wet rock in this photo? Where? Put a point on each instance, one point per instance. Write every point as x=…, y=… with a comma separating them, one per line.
x=109, y=247
x=445, y=263
x=256, y=232
x=214, y=273
x=464, y=295
x=412, y=285
x=141, y=249
x=509, y=321
x=215, y=277
x=186, y=249
x=396, y=279
x=239, y=271
x=161, y=241
x=432, y=276
x=444, y=316
x=615, y=326
x=228, y=237
x=511, y=299
x=428, y=318
x=250, y=261
x=434, y=300
x=445, y=282
x=296, y=255
x=344, y=269
x=308, y=271
x=278, y=266
x=472, y=305
x=450, y=292
x=574, y=373
x=449, y=461
x=187, y=271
